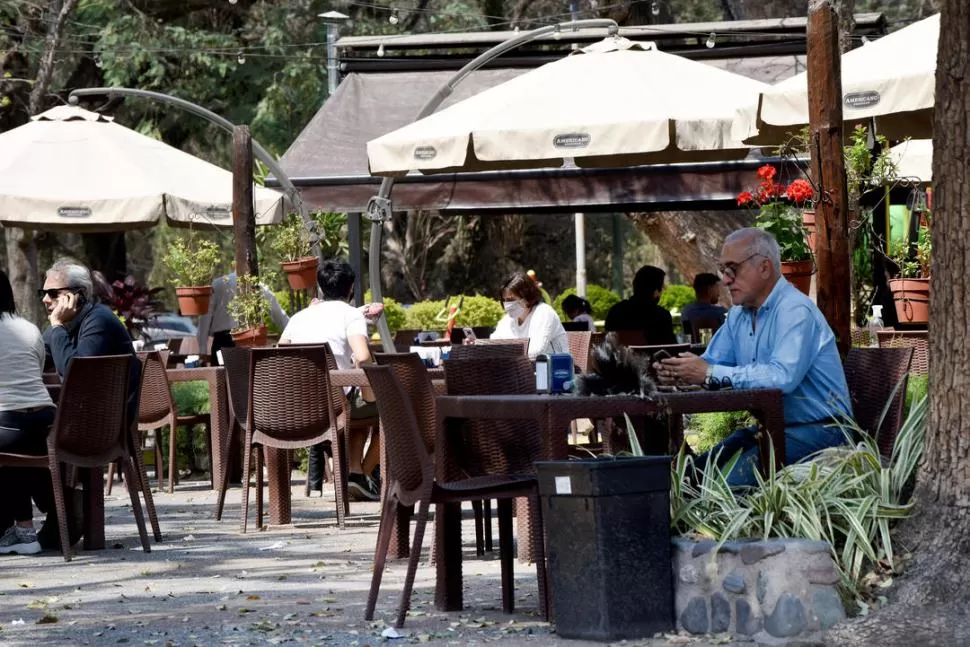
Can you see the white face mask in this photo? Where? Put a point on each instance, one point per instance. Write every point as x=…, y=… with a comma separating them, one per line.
x=514, y=309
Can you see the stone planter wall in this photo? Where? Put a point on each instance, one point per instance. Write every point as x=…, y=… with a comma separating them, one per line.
x=780, y=588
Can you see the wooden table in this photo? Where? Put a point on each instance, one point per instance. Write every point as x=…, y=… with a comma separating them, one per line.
x=553, y=413
x=215, y=378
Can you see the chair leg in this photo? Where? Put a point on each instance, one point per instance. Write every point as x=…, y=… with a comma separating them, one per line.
x=158, y=457
x=260, y=453
x=340, y=468
x=380, y=556
x=419, y=526
x=479, y=528
x=141, y=483
x=136, y=506
x=111, y=477
x=247, y=466
x=60, y=506
x=487, y=509
x=224, y=486
x=208, y=449
x=172, y=447
x=506, y=554
x=539, y=532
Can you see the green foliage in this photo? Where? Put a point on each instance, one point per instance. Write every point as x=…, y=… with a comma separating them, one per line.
x=918, y=266
x=248, y=306
x=785, y=224
x=479, y=311
x=916, y=389
x=862, y=168
x=844, y=496
x=708, y=429
x=331, y=228
x=290, y=239
x=191, y=261
x=600, y=300
x=191, y=397
x=423, y=315
x=395, y=314
x=675, y=297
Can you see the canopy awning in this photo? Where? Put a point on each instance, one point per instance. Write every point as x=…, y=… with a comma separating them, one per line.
x=328, y=160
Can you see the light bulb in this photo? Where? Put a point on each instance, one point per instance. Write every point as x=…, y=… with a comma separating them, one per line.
x=393, y=18
x=240, y=57
x=557, y=34
x=865, y=40
x=655, y=8
x=711, y=40
x=516, y=29
x=380, y=50
x=233, y=1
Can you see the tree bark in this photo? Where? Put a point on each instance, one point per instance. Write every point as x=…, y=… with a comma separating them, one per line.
x=929, y=606
x=243, y=216
x=46, y=69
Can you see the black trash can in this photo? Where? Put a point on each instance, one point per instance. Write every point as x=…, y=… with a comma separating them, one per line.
x=608, y=544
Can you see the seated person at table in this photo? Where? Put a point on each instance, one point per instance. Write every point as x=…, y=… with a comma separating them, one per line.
x=26, y=414
x=705, y=306
x=578, y=309
x=527, y=317
x=774, y=338
x=642, y=311
x=333, y=320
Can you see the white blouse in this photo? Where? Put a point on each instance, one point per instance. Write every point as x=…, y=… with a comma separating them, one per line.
x=542, y=328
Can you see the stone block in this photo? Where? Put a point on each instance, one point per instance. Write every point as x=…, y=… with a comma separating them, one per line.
x=720, y=613
x=753, y=553
x=788, y=617
x=745, y=621
x=734, y=583
x=827, y=607
x=762, y=586
x=688, y=574
x=694, y=618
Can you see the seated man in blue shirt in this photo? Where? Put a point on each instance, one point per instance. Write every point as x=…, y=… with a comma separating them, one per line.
x=774, y=337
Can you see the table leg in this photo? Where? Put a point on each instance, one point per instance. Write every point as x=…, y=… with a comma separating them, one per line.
x=447, y=527
x=222, y=453
x=278, y=477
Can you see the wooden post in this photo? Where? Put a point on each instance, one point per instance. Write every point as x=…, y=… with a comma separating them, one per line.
x=243, y=213
x=828, y=170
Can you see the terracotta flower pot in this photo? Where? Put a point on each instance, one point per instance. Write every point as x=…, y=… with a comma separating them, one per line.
x=251, y=337
x=302, y=273
x=912, y=298
x=194, y=300
x=808, y=221
x=799, y=274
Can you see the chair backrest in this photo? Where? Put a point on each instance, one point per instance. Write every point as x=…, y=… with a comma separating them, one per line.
x=410, y=463
x=404, y=339
x=236, y=362
x=90, y=428
x=496, y=446
x=872, y=374
x=288, y=403
x=918, y=340
x=579, y=342
x=413, y=374
x=491, y=348
x=155, y=402
x=698, y=324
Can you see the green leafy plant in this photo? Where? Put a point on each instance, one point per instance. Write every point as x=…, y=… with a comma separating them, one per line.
x=910, y=266
x=479, y=311
x=863, y=169
x=331, y=232
x=600, y=301
x=248, y=306
x=191, y=261
x=778, y=213
x=705, y=430
x=422, y=315
x=291, y=239
x=394, y=312
x=675, y=297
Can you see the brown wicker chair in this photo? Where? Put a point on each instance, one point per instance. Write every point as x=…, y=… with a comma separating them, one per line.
x=89, y=431
x=579, y=343
x=491, y=348
x=872, y=375
x=288, y=409
x=236, y=362
x=702, y=323
x=918, y=340
x=412, y=473
x=156, y=409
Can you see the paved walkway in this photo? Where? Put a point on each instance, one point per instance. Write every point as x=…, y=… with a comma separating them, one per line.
x=207, y=584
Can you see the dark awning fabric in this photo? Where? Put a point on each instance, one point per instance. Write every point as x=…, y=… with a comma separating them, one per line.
x=328, y=160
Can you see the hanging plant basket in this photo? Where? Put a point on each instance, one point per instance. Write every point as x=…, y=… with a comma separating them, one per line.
x=799, y=274
x=250, y=337
x=194, y=301
x=302, y=273
x=912, y=299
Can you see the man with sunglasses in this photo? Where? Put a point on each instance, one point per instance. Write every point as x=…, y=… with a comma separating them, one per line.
x=774, y=337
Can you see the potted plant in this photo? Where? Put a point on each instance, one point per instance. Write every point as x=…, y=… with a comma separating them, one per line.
x=250, y=310
x=192, y=262
x=135, y=304
x=911, y=286
x=292, y=241
x=778, y=214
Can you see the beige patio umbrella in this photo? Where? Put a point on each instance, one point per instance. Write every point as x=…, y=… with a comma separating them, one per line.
x=891, y=80
x=913, y=159
x=72, y=169
x=614, y=103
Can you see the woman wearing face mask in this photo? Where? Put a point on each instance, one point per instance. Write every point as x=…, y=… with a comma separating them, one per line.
x=527, y=317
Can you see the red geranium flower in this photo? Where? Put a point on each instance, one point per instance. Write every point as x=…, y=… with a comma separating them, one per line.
x=799, y=191
x=744, y=198
x=767, y=172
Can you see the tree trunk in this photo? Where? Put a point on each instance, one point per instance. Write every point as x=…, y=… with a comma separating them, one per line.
x=929, y=607
x=106, y=253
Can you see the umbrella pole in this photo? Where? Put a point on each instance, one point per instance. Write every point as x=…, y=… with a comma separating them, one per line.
x=379, y=206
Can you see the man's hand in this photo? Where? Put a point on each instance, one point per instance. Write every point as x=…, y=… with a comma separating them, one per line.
x=65, y=309
x=686, y=368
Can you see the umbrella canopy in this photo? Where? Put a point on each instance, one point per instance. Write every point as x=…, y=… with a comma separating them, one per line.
x=614, y=103
x=914, y=159
x=72, y=169
x=891, y=80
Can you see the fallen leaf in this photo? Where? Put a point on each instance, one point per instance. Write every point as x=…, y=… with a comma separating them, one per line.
x=47, y=619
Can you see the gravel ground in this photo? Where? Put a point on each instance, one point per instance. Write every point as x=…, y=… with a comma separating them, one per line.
x=207, y=584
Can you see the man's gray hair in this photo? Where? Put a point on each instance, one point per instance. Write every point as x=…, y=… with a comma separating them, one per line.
x=75, y=275
x=758, y=242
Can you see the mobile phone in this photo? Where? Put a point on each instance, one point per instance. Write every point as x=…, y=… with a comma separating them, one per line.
x=469, y=333
x=661, y=355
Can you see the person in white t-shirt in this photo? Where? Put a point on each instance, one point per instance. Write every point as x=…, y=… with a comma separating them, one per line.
x=334, y=321
x=527, y=317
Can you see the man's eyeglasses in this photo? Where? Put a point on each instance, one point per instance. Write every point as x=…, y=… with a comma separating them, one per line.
x=715, y=384
x=730, y=270
x=53, y=293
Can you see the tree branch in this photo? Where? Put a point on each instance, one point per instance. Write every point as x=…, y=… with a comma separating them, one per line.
x=46, y=69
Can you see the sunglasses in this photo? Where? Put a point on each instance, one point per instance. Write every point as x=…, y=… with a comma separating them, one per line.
x=53, y=293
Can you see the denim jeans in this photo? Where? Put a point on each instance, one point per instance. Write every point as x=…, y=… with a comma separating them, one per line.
x=801, y=441
x=23, y=432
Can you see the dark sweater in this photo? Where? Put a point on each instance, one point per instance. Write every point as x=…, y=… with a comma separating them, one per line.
x=641, y=314
x=94, y=331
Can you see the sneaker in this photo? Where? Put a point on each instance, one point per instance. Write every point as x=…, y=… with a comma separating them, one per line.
x=363, y=488
x=20, y=540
